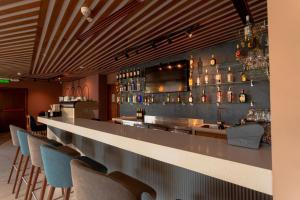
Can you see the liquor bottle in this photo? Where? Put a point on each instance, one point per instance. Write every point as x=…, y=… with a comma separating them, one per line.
x=229, y=95
x=198, y=80
x=168, y=98
x=134, y=97
x=138, y=85
x=191, y=62
x=123, y=75
x=213, y=61
x=229, y=75
x=243, y=96
x=138, y=72
x=138, y=113
x=218, y=77
x=129, y=86
x=178, y=98
x=133, y=86
x=139, y=98
x=237, y=52
x=248, y=28
x=243, y=76
x=219, y=95
x=190, y=98
x=127, y=74
x=152, y=98
x=117, y=76
x=206, y=77
x=191, y=80
x=203, y=97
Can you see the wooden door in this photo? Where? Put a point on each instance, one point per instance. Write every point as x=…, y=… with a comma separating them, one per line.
x=13, y=108
x=113, y=106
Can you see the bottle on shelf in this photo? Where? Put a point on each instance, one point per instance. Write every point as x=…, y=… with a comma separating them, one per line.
x=127, y=73
x=191, y=62
x=190, y=98
x=229, y=75
x=178, y=98
x=134, y=98
x=129, y=86
x=218, y=77
x=237, y=52
x=229, y=95
x=206, y=77
x=191, y=79
x=219, y=95
x=168, y=98
x=133, y=85
x=152, y=98
x=203, y=97
x=242, y=96
x=131, y=73
x=138, y=85
x=244, y=76
x=140, y=98
x=117, y=76
x=213, y=60
x=123, y=75
x=138, y=73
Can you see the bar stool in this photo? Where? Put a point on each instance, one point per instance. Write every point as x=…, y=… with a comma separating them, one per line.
x=15, y=142
x=36, y=129
x=22, y=136
x=34, y=144
x=90, y=184
x=57, y=168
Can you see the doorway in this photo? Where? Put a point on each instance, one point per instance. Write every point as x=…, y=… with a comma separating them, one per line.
x=13, y=108
x=113, y=106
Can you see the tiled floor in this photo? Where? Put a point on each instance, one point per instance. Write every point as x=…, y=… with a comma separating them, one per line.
x=7, y=152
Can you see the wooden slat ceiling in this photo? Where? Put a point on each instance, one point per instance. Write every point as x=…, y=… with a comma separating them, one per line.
x=39, y=38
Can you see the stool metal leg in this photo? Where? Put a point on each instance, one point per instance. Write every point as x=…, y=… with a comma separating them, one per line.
x=18, y=172
x=29, y=181
x=22, y=176
x=36, y=176
x=51, y=193
x=14, y=164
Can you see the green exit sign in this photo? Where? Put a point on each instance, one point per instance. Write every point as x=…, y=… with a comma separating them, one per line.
x=4, y=81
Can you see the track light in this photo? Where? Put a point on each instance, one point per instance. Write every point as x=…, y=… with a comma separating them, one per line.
x=86, y=12
x=189, y=33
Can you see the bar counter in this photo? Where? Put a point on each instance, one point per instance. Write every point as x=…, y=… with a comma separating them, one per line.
x=209, y=156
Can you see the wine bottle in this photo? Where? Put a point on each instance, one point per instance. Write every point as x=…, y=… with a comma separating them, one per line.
x=218, y=77
x=229, y=95
x=213, y=60
x=243, y=76
x=134, y=72
x=203, y=97
x=190, y=98
x=219, y=95
x=191, y=80
x=242, y=96
x=138, y=73
x=229, y=75
x=168, y=98
x=206, y=77
x=198, y=80
x=138, y=85
x=237, y=52
x=178, y=98
x=127, y=74
x=123, y=75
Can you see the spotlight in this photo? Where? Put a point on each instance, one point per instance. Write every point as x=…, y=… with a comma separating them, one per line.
x=86, y=12
x=169, y=67
x=179, y=66
x=189, y=33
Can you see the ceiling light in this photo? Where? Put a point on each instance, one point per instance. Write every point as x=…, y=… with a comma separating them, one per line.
x=19, y=73
x=189, y=33
x=86, y=12
x=169, y=67
x=81, y=67
x=179, y=65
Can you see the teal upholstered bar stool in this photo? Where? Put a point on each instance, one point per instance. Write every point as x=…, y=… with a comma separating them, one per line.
x=15, y=142
x=57, y=168
x=34, y=143
x=90, y=184
x=22, y=136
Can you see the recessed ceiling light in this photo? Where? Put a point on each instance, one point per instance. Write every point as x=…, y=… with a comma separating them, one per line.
x=81, y=67
x=19, y=73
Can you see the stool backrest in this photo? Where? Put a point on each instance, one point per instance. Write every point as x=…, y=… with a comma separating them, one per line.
x=22, y=136
x=34, y=144
x=13, y=133
x=56, y=166
x=91, y=184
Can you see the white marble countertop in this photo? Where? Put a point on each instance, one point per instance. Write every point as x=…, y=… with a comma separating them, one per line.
x=210, y=156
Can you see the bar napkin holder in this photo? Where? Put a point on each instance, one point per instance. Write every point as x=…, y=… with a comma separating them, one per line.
x=248, y=135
